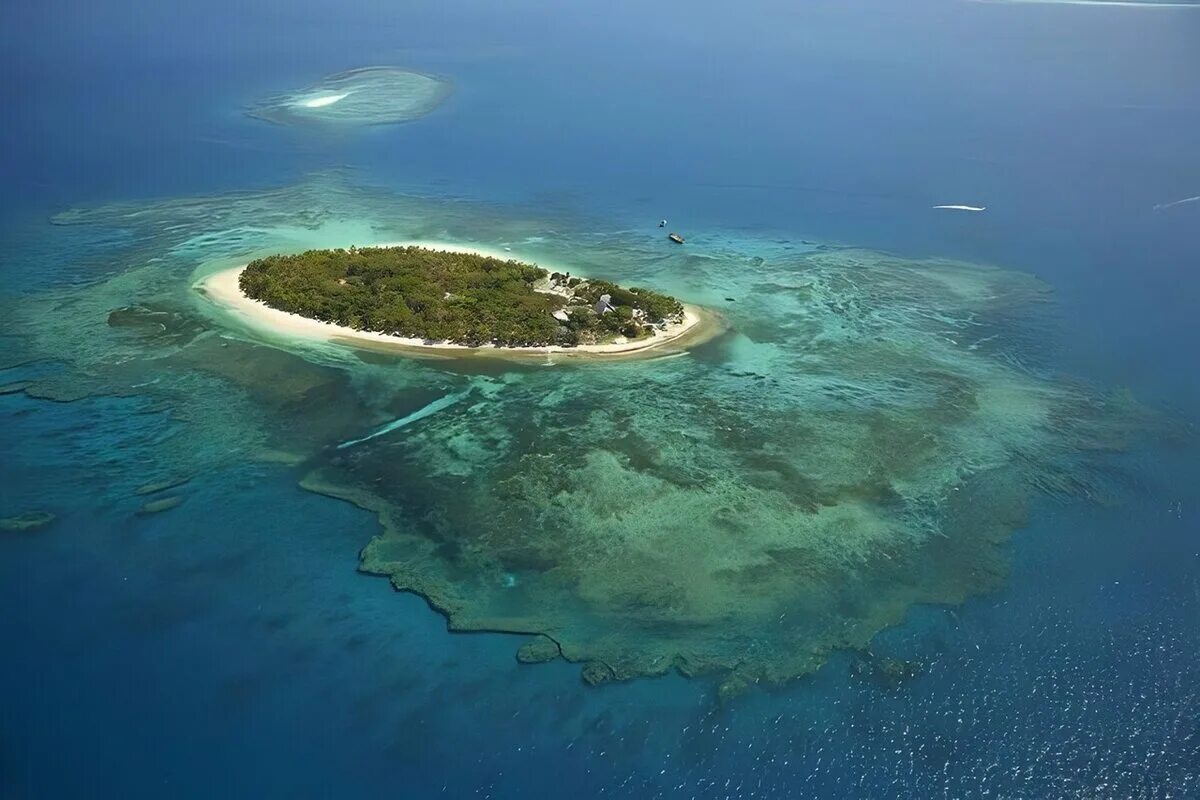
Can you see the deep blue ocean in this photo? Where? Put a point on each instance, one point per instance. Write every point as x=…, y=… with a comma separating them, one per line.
x=229, y=648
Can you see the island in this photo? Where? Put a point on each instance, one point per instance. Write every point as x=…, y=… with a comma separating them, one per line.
x=416, y=296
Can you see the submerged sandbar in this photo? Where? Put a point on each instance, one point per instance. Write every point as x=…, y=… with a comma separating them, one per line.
x=500, y=306
x=365, y=96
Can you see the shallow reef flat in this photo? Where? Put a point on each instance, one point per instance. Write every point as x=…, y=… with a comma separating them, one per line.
x=866, y=435
x=366, y=96
x=747, y=512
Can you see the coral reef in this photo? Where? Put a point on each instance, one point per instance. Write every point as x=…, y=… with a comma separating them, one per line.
x=866, y=437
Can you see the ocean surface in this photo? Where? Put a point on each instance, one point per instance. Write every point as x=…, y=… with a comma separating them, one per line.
x=230, y=646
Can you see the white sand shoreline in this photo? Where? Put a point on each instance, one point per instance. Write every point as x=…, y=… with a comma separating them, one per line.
x=222, y=288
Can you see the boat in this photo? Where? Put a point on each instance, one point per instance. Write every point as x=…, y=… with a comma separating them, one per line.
x=675, y=237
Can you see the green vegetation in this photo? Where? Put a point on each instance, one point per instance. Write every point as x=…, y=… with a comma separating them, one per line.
x=463, y=298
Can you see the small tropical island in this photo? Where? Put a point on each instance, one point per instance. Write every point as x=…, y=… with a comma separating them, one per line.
x=418, y=296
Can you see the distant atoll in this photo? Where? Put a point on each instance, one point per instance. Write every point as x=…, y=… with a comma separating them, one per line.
x=367, y=96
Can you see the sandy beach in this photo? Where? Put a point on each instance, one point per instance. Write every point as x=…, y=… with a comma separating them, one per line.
x=222, y=288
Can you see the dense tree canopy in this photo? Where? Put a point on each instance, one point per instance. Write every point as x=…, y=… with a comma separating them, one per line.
x=463, y=298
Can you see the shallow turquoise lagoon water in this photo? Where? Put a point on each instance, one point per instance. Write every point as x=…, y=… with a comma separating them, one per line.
x=958, y=444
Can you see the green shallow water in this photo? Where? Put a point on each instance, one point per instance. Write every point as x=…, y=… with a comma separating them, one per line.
x=865, y=436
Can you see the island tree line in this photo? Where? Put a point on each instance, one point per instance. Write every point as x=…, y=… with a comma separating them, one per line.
x=464, y=298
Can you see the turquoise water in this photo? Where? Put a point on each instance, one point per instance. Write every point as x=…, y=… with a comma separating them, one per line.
x=958, y=445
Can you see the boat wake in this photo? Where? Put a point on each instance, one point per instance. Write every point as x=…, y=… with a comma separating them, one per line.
x=963, y=208
x=421, y=413
x=1184, y=201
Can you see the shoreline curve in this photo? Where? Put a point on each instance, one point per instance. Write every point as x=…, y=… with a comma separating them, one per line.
x=223, y=290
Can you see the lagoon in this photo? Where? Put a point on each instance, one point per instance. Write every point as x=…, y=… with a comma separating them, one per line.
x=879, y=354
